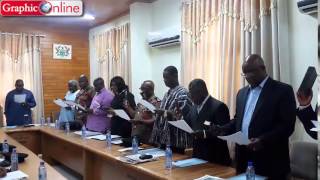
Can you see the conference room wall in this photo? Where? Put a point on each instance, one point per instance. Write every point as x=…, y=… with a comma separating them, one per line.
x=55, y=73
x=146, y=63
x=303, y=46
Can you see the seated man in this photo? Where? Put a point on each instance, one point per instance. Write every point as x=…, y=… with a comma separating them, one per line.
x=142, y=123
x=18, y=105
x=97, y=118
x=206, y=112
x=305, y=112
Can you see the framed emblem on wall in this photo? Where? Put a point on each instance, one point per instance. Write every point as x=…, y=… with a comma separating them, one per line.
x=62, y=51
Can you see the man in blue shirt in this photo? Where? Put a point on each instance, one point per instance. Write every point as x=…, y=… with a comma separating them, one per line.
x=265, y=113
x=18, y=105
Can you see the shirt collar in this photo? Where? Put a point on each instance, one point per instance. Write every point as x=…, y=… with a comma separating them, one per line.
x=261, y=85
x=202, y=104
x=173, y=89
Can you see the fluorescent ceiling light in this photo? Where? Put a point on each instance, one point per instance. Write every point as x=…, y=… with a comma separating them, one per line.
x=88, y=17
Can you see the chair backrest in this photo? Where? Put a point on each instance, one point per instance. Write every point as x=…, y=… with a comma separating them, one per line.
x=304, y=161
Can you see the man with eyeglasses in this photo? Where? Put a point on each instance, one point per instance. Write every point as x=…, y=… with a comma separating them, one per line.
x=265, y=113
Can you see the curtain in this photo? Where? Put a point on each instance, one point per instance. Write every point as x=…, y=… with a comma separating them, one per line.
x=20, y=58
x=217, y=35
x=113, y=53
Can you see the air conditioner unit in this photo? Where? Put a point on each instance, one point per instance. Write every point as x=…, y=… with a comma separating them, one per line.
x=308, y=6
x=165, y=37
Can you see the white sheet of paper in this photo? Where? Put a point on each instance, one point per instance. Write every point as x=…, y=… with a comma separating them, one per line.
x=121, y=113
x=15, y=175
x=208, y=177
x=188, y=162
x=237, y=137
x=102, y=137
x=128, y=149
x=181, y=124
x=315, y=123
x=155, y=152
x=147, y=105
x=117, y=142
x=19, y=98
x=60, y=103
x=88, y=133
x=71, y=103
x=315, y=129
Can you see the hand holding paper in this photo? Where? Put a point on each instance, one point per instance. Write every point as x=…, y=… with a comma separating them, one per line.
x=238, y=138
x=121, y=113
x=147, y=105
x=61, y=103
x=181, y=124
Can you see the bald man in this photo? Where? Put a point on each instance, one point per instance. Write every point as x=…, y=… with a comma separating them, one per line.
x=142, y=123
x=265, y=113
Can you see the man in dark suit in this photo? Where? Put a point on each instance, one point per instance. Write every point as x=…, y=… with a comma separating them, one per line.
x=305, y=112
x=266, y=113
x=204, y=113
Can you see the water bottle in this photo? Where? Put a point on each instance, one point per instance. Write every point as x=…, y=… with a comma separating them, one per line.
x=42, y=119
x=67, y=127
x=168, y=162
x=42, y=169
x=250, y=175
x=48, y=121
x=25, y=119
x=83, y=132
x=135, y=145
x=108, y=139
x=5, y=146
x=14, y=160
x=56, y=125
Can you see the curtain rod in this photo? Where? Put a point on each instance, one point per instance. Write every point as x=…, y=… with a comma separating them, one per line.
x=17, y=34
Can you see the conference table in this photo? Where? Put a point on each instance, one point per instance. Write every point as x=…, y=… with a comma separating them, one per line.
x=92, y=160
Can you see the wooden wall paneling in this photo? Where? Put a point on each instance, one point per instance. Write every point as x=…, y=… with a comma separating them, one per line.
x=56, y=73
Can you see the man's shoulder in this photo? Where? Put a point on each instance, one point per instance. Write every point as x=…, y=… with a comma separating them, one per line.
x=216, y=103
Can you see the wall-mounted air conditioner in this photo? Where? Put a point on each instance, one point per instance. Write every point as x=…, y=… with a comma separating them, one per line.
x=308, y=6
x=165, y=37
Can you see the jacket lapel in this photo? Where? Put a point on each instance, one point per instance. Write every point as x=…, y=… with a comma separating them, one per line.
x=262, y=97
x=243, y=100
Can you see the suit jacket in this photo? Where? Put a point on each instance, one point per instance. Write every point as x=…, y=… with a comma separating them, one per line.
x=121, y=126
x=273, y=122
x=211, y=148
x=305, y=116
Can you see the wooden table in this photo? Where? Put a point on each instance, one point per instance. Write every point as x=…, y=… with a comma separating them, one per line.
x=32, y=162
x=92, y=160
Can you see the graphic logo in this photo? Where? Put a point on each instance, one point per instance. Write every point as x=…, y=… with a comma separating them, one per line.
x=41, y=8
x=45, y=7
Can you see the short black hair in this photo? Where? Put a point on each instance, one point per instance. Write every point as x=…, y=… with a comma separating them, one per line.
x=19, y=80
x=198, y=85
x=119, y=82
x=98, y=80
x=173, y=71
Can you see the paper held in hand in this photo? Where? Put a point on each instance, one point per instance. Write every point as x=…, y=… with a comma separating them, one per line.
x=147, y=105
x=121, y=113
x=237, y=137
x=71, y=103
x=316, y=126
x=61, y=103
x=181, y=124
